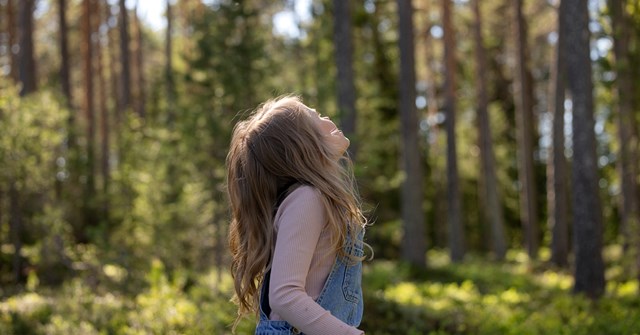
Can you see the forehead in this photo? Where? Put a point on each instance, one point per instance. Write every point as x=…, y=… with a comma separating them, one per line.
x=311, y=111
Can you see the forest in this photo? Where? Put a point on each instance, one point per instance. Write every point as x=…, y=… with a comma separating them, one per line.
x=495, y=146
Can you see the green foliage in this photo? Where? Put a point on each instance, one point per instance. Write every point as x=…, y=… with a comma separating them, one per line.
x=480, y=297
x=166, y=306
x=474, y=297
x=31, y=133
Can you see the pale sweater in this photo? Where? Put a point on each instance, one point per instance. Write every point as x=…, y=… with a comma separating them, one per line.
x=301, y=264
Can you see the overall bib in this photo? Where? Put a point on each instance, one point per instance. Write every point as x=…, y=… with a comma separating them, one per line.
x=341, y=294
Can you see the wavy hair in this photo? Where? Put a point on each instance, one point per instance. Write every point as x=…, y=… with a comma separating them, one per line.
x=279, y=144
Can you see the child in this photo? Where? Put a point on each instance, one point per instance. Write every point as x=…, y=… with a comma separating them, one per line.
x=297, y=227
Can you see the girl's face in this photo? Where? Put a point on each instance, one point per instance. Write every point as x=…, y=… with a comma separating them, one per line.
x=330, y=132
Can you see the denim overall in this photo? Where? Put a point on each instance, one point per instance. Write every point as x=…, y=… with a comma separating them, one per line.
x=341, y=294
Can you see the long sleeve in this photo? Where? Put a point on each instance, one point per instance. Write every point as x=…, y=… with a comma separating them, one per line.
x=300, y=221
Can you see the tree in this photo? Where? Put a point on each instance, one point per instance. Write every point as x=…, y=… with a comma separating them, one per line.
x=11, y=32
x=454, y=208
x=589, y=266
x=170, y=86
x=65, y=76
x=557, y=194
x=125, y=74
x=524, y=128
x=89, y=110
x=113, y=60
x=139, y=61
x=344, y=59
x=414, y=244
x=628, y=140
x=487, y=157
x=104, y=111
x=26, y=57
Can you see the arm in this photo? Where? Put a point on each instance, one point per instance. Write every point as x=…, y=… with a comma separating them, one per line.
x=300, y=226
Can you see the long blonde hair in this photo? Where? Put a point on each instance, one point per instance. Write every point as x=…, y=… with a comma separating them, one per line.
x=278, y=145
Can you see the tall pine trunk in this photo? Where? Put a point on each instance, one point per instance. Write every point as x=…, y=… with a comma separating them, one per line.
x=524, y=128
x=489, y=181
x=88, y=106
x=114, y=75
x=125, y=70
x=65, y=76
x=13, y=37
x=454, y=209
x=557, y=188
x=104, y=111
x=436, y=173
x=344, y=61
x=140, y=79
x=589, y=266
x=26, y=57
x=414, y=244
x=169, y=67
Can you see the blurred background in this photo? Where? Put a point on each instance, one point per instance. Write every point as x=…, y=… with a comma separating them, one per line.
x=495, y=146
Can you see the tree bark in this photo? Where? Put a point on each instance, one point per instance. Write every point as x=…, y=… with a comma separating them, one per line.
x=589, y=266
x=454, y=212
x=26, y=58
x=524, y=126
x=169, y=67
x=125, y=71
x=87, y=51
x=113, y=68
x=438, y=218
x=557, y=188
x=104, y=113
x=628, y=152
x=65, y=76
x=140, y=103
x=13, y=36
x=489, y=180
x=344, y=63
x=414, y=244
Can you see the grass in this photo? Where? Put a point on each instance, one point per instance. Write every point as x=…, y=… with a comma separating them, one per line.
x=477, y=296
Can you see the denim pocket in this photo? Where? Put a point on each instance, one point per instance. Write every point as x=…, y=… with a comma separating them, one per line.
x=352, y=282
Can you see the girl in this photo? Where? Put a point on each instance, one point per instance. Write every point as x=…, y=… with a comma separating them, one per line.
x=297, y=227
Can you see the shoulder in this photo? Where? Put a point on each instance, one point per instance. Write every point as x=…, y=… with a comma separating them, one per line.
x=304, y=192
x=304, y=199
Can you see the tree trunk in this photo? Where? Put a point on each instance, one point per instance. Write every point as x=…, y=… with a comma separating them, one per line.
x=344, y=62
x=140, y=103
x=113, y=68
x=13, y=36
x=628, y=152
x=169, y=67
x=87, y=51
x=125, y=74
x=104, y=114
x=26, y=58
x=524, y=126
x=438, y=218
x=454, y=212
x=65, y=76
x=557, y=188
x=589, y=267
x=489, y=180
x=414, y=244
